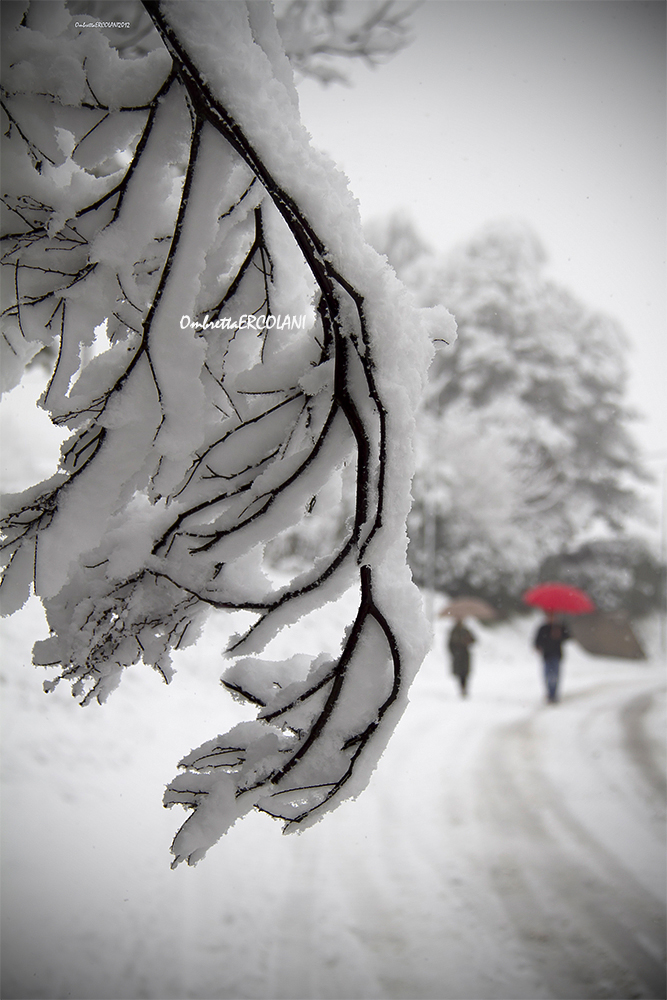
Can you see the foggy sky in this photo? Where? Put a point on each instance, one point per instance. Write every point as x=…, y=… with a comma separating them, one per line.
x=552, y=112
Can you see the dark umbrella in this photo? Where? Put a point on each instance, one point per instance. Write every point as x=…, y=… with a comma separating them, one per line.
x=607, y=635
x=559, y=597
x=469, y=607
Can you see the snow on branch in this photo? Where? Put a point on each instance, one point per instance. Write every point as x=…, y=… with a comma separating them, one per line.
x=317, y=34
x=226, y=344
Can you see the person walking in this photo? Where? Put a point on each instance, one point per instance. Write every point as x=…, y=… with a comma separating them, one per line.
x=459, y=643
x=549, y=640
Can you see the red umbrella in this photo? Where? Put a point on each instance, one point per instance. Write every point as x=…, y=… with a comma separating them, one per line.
x=559, y=597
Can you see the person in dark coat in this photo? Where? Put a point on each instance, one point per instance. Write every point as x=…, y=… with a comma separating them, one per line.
x=549, y=640
x=459, y=643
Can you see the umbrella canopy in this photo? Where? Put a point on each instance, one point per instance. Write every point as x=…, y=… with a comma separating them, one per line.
x=469, y=607
x=607, y=635
x=559, y=597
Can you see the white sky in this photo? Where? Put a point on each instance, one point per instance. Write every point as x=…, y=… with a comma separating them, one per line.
x=552, y=111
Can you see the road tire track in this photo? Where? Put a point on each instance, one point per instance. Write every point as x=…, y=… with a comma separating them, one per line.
x=592, y=930
x=639, y=746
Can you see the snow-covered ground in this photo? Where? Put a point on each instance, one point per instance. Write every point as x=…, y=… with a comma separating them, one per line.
x=504, y=848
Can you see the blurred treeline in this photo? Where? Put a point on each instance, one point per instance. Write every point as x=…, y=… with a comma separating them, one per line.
x=527, y=467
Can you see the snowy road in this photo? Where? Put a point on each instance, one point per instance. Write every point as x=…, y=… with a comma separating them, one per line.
x=587, y=909
x=505, y=848
x=536, y=841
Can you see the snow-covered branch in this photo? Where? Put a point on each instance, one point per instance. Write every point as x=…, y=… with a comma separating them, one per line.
x=227, y=345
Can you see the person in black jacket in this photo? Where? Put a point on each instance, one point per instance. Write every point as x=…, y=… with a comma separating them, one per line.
x=549, y=640
x=459, y=642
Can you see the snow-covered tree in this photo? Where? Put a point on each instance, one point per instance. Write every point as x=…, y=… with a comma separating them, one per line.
x=530, y=451
x=467, y=527
x=318, y=34
x=620, y=574
x=228, y=349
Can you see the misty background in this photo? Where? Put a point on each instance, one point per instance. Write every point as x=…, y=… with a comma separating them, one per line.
x=511, y=154
x=551, y=113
